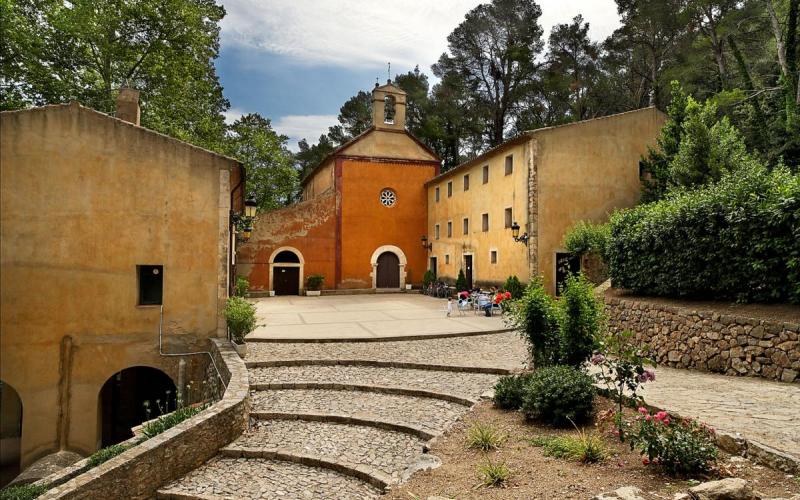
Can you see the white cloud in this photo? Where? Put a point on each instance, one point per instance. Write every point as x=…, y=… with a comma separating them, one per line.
x=303, y=127
x=366, y=33
x=233, y=114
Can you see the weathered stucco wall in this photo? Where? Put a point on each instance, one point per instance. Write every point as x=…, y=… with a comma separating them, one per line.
x=709, y=340
x=85, y=199
x=493, y=198
x=585, y=171
x=309, y=227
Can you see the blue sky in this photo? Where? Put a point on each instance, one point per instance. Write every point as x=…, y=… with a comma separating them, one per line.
x=297, y=61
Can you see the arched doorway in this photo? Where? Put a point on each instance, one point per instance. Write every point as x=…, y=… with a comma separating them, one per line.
x=130, y=397
x=10, y=433
x=388, y=271
x=286, y=271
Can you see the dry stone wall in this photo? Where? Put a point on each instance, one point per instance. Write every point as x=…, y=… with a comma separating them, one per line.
x=709, y=341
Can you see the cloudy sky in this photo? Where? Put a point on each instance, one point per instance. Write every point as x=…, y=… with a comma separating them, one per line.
x=297, y=61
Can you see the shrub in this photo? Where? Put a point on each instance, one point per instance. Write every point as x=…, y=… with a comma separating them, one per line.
x=583, y=447
x=585, y=237
x=732, y=240
x=508, y=391
x=514, y=287
x=314, y=282
x=581, y=320
x=170, y=420
x=106, y=454
x=680, y=446
x=461, y=281
x=484, y=437
x=558, y=395
x=535, y=316
x=241, y=318
x=242, y=286
x=493, y=474
x=428, y=278
x=23, y=491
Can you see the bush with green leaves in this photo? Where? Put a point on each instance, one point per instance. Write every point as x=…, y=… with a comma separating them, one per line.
x=242, y=286
x=461, y=281
x=314, y=282
x=583, y=446
x=585, y=238
x=23, y=491
x=241, y=318
x=732, y=240
x=581, y=320
x=428, y=278
x=509, y=389
x=679, y=445
x=559, y=395
x=535, y=317
x=514, y=287
x=107, y=453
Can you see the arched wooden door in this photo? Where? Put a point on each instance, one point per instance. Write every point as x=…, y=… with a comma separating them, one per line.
x=388, y=271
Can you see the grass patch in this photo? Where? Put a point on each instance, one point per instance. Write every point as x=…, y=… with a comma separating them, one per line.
x=484, y=437
x=170, y=420
x=106, y=454
x=583, y=447
x=492, y=474
x=23, y=491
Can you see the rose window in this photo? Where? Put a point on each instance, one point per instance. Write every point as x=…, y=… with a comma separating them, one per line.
x=388, y=198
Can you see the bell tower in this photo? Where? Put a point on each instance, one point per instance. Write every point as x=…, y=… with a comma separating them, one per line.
x=388, y=107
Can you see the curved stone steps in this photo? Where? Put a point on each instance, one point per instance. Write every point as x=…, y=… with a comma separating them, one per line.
x=386, y=453
x=259, y=478
x=429, y=414
x=467, y=386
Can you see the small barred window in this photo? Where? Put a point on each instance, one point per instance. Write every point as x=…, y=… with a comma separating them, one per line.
x=388, y=198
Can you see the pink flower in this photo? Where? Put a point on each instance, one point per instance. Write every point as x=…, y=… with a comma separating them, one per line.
x=507, y=295
x=661, y=415
x=666, y=421
x=648, y=417
x=643, y=410
x=597, y=359
x=646, y=461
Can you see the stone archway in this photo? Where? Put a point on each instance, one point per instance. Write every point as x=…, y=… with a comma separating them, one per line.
x=10, y=433
x=402, y=262
x=287, y=261
x=122, y=401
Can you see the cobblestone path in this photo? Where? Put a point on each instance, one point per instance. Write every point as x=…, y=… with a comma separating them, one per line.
x=344, y=420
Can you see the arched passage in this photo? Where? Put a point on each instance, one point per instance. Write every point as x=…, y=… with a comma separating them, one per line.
x=10, y=433
x=122, y=401
x=286, y=271
x=388, y=267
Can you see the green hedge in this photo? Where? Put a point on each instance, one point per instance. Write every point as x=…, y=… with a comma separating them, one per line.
x=737, y=239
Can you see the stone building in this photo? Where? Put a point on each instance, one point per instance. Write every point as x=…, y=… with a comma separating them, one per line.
x=362, y=212
x=112, y=237
x=545, y=180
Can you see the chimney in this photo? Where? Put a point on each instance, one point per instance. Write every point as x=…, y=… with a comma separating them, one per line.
x=128, y=105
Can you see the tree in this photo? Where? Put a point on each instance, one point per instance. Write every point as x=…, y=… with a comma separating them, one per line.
x=310, y=156
x=85, y=50
x=271, y=175
x=355, y=116
x=494, y=51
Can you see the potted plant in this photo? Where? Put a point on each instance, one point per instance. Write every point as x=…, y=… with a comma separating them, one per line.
x=240, y=316
x=314, y=285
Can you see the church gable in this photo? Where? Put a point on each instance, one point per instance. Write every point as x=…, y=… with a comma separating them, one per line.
x=387, y=143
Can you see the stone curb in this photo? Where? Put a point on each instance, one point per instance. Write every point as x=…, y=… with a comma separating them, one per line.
x=394, y=338
x=381, y=389
x=346, y=419
x=168, y=495
x=362, y=472
x=376, y=363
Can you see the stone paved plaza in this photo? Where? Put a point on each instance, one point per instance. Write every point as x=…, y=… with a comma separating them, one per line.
x=343, y=419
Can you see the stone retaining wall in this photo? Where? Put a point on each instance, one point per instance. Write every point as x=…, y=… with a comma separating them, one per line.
x=140, y=471
x=709, y=341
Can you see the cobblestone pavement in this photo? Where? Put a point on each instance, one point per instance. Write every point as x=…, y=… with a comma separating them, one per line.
x=234, y=478
x=500, y=350
x=467, y=385
x=387, y=451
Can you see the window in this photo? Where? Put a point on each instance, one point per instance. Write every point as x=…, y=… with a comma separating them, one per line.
x=388, y=198
x=436, y=194
x=485, y=174
x=493, y=256
x=436, y=232
x=450, y=189
x=449, y=229
x=151, y=285
x=509, y=164
x=485, y=222
x=509, y=217
x=466, y=225
x=466, y=182
x=447, y=259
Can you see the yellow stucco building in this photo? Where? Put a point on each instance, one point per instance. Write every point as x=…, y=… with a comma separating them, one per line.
x=545, y=180
x=105, y=224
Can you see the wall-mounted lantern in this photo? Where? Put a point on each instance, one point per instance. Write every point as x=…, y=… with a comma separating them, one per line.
x=250, y=206
x=247, y=231
x=515, y=234
x=427, y=246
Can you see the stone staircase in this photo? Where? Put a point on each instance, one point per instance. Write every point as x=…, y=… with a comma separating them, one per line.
x=345, y=420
